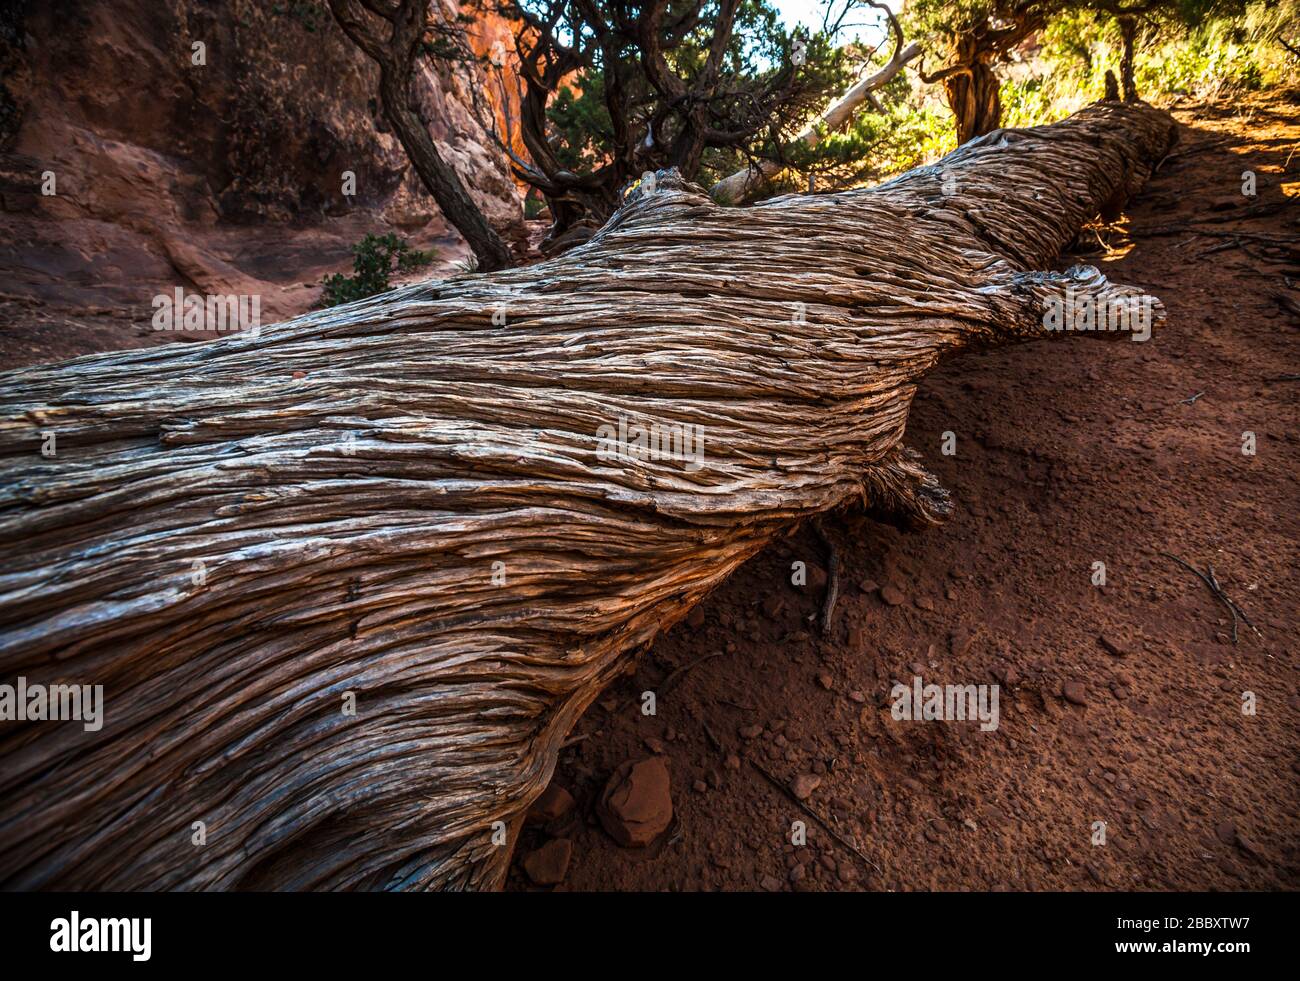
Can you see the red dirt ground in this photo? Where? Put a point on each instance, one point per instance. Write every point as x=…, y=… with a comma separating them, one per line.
x=1067, y=454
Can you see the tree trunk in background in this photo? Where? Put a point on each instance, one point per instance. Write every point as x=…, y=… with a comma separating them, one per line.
x=440, y=179
x=405, y=501
x=392, y=35
x=975, y=99
x=1128, y=31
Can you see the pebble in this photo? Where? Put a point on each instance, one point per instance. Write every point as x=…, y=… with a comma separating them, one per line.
x=892, y=595
x=804, y=784
x=959, y=641
x=548, y=865
x=1113, y=644
x=636, y=805
x=1075, y=692
x=1248, y=846
x=554, y=803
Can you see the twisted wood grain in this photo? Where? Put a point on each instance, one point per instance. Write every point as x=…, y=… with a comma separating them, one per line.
x=347, y=522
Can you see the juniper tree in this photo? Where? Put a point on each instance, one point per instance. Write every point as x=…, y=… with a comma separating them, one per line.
x=617, y=89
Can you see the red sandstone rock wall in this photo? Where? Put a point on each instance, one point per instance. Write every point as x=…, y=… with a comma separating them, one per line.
x=225, y=176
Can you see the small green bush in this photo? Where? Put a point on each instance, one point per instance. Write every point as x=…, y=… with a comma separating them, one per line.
x=377, y=257
x=306, y=12
x=533, y=207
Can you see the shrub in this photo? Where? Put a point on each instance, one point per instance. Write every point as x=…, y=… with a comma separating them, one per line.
x=376, y=258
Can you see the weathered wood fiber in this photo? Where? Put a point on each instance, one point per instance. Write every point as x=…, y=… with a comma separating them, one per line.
x=348, y=522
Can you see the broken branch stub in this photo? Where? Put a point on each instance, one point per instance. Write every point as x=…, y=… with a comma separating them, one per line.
x=450, y=522
x=738, y=187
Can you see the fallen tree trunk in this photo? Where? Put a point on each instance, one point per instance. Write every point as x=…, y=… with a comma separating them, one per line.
x=419, y=499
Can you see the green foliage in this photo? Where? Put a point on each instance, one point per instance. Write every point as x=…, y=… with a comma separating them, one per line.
x=1223, y=55
x=1077, y=48
x=1195, y=47
x=1219, y=54
x=581, y=125
x=944, y=20
x=376, y=258
x=310, y=14
x=582, y=133
x=828, y=70
x=875, y=145
x=1185, y=47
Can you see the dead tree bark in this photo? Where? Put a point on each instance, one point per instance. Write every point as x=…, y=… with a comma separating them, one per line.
x=407, y=499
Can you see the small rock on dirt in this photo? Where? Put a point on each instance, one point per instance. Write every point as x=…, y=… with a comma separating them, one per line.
x=636, y=805
x=1075, y=693
x=1114, y=645
x=548, y=865
x=804, y=784
x=555, y=803
x=892, y=595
